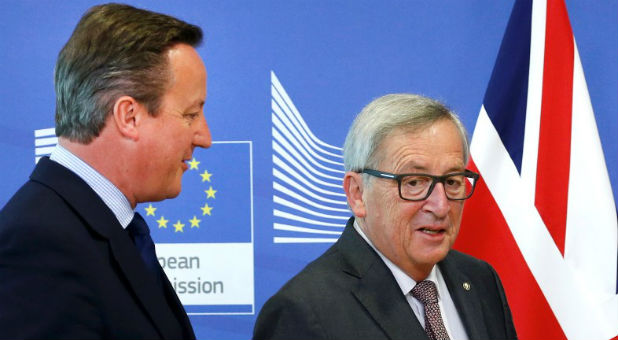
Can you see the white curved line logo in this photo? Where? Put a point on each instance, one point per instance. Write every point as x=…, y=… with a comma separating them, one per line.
x=309, y=202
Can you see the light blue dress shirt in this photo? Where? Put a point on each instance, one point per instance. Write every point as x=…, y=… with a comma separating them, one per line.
x=115, y=200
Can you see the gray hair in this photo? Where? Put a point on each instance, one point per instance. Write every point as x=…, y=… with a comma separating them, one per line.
x=115, y=50
x=393, y=112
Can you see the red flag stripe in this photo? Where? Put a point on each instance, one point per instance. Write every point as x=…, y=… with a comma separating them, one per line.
x=532, y=315
x=555, y=130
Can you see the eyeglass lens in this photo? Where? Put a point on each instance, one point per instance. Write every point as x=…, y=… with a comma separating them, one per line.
x=417, y=186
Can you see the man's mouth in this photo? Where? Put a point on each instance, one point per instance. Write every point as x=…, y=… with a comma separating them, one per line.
x=433, y=231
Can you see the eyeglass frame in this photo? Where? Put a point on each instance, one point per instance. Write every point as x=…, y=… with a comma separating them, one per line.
x=434, y=179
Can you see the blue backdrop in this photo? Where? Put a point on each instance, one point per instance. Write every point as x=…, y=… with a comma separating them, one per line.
x=330, y=58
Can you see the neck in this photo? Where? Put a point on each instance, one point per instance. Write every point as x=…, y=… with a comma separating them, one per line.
x=106, y=159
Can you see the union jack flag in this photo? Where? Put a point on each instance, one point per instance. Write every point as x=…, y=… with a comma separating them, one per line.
x=543, y=214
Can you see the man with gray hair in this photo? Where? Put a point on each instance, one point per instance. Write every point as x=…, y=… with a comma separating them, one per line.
x=392, y=274
x=76, y=261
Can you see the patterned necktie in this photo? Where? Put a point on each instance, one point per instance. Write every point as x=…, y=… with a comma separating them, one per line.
x=425, y=291
x=140, y=234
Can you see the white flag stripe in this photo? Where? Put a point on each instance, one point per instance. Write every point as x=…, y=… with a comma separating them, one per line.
x=535, y=96
x=287, y=227
x=284, y=190
x=591, y=240
x=290, y=104
x=578, y=318
x=45, y=132
x=45, y=141
x=288, y=147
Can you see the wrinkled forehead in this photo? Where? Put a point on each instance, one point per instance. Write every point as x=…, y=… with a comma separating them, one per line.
x=433, y=138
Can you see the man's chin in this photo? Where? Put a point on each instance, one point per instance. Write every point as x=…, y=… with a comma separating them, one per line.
x=174, y=194
x=163, y=196
x=434, y=255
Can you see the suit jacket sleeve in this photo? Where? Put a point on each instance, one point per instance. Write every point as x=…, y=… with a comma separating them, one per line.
x=287, y=318
x=42, y=293
x=509, y=330
x=69, y=270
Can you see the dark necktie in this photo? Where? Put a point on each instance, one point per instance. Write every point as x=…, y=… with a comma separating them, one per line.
x=425, y=291
x=140, y=234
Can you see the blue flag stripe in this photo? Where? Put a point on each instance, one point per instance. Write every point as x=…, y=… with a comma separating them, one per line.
x=506, y=97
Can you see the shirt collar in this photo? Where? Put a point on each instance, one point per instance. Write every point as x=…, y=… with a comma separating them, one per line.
x=113, y=198
x=405, y=282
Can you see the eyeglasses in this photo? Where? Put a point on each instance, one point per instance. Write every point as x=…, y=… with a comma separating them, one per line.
x=417, y=187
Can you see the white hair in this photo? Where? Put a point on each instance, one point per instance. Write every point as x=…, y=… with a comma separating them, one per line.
x=393, y=112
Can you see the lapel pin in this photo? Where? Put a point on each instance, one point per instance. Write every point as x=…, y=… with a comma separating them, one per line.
x=466, y=285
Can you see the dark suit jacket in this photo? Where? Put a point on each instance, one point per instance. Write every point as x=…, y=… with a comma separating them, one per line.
x=349, y=293
x=69, y=270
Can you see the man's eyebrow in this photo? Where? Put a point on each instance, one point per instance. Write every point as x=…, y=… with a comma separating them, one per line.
x=411, y=168
x=199, y=103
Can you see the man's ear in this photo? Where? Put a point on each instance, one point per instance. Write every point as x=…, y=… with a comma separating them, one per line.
x=124, y=116
x=353, y=187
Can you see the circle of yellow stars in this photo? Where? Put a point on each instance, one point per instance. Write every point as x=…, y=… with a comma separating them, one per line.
x=206, y=209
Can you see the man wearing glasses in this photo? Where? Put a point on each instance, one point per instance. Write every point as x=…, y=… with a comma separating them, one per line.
x=392, y=274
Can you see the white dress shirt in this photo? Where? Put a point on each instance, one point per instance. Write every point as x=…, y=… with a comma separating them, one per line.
x=452, y=322
x=109, y=193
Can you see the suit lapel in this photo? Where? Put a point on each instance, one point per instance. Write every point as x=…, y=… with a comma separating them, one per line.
x=377, y=289
x=467, y=301
x=179, y=310
x=149, y=294
x=100, y=218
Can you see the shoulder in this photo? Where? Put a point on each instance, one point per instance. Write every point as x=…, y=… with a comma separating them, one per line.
x=316, y=279
x=40, y=229
x=298, y=309
x=293, y=311
x=36, y=211
x=468, y=263
x=458, y=266
x=46, y=252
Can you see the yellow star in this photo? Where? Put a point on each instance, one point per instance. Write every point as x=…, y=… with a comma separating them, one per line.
x=206, y=209
x=210, y=192
x=150, y=210
x=193, y=164
x=206, y=176
x=195, y=222
x=178, y=227
x=162, y=222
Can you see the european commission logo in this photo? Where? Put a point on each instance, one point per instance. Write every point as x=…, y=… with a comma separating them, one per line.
x=215, y=186
x=203, y=237
x=194, y=222
x=309, y=201
x=44, y=142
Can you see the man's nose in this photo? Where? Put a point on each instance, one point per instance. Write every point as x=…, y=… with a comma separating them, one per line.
x=437, y=202
x=202, y=137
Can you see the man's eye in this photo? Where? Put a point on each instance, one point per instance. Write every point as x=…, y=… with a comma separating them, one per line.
x=416, y=181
